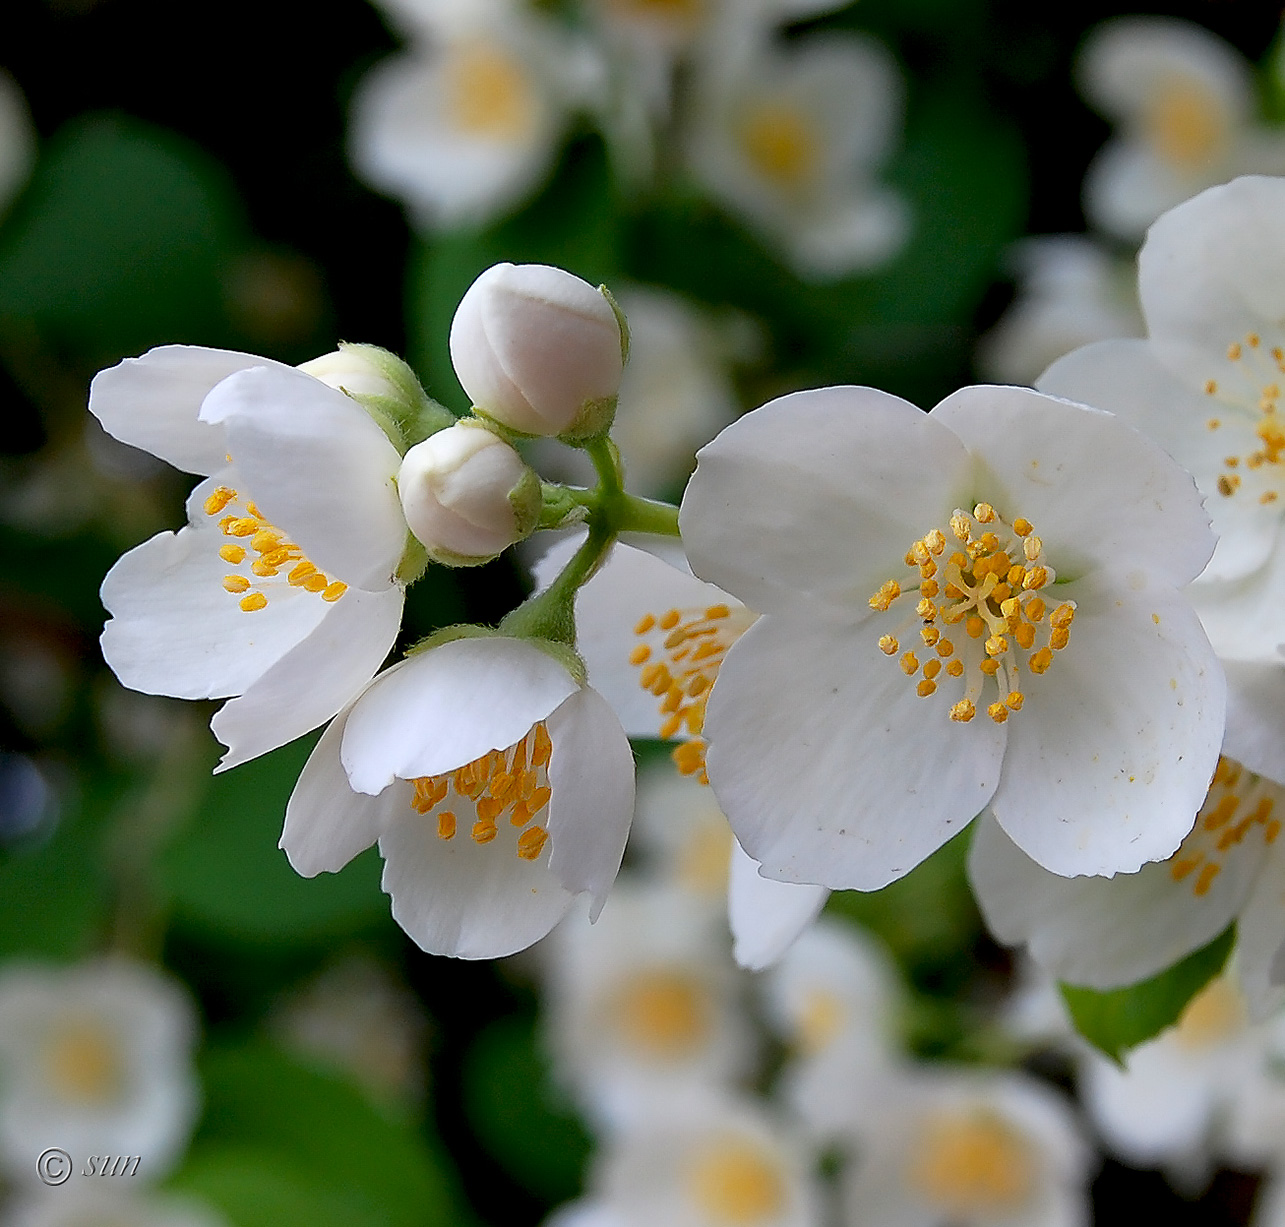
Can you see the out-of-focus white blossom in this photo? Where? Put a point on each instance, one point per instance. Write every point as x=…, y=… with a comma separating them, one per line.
x=109, y=1203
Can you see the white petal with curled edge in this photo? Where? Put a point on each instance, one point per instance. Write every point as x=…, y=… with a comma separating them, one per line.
x=1103, y=932
x=327, y=824
x=312, y=681
x=591, y=779
x=319, y=468
x=1112, y=753
x=821, y=757
x=1099, y=493
x=1260, y=933
x=153, y=402
x=1242, y=618
x=458, y=897
x=447, y=706
x=1255, y=735
x=767, y=917
x=819, y=494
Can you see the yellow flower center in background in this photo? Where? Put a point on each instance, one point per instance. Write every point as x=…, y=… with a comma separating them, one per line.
x=820, y=1020
x=971, y=1163
x=83, y=1062
x=980, y=610
x=704, y=856
x=1239, y=805
x=737, y=1183
x=683, y=15
x=1216, y=1014
x=512, y=783
x=1185, y=124
x=262, y=550
x=781, y=142
x=663, y=1013
x=1251, y=395
x=489, y=92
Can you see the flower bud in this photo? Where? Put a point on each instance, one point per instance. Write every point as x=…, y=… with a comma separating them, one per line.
x=467, y=495
x=356, y=369
x=538, y=350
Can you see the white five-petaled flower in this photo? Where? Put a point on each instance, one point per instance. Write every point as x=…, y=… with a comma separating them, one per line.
x=282, y=590
x=1184, y=100
x=96, y=1060
x=976, y=606
x=497, y=787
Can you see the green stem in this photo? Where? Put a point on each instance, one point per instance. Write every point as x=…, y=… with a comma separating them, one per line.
x=631, y=514
x=551, y=614
x=607, y=465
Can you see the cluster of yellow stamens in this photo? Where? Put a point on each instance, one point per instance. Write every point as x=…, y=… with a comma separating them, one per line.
x=679, y=659
x=970, y=1163
x=1239, y=804
x=737, y=1182
x=979, y=584
x=513, y=782
x=1252, y=393
x=263, y=550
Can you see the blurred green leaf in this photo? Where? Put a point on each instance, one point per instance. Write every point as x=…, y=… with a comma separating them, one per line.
x=506, y=1096
x=226, y=874
x=1122, y=1018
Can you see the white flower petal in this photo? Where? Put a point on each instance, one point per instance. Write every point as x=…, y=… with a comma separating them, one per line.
x=152, y=402
x=1103, y=932
x=318, y=466
x=591, y=778
x=1242, y=618
x=312, y=681
x=770, y=512
x=1112, y=753
x=820, y=759
x=448, y=706
x=1099, y=493
x=1260, y=932
x=766, y=916
x=1255, y=735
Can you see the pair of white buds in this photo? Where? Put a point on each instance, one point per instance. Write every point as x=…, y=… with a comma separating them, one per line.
x=539, y=352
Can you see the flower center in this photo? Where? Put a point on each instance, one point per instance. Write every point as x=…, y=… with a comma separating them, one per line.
x=83, y=1062
x=1214, y=1015
x=263, y=550
x=489, y=92
x=684, y=14
x=781, y=143
x=735, y=1182
x=663, y=1013
x=820, y=1020
x=1252, y=393
x=971, y=1163
x=511, y=782
x=679, y=658
x=1239, y=804
x=1185, y=124
x=980, y=610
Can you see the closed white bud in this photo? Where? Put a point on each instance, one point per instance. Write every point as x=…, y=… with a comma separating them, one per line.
x=355, y=369
x=467, y=495
x=538, y=350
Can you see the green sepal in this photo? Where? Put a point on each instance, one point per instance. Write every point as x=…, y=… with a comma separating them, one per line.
x=620, y=320
x=409, y=415
x=414, y=561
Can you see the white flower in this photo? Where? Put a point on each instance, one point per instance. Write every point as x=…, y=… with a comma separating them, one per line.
x=707, y=1161
x=106, y=1204
x=282, y=591
x=1031, y=551
x=467, y=123
x=1069, y=292
x=1184, y=100
x=467, y=495
x=644, y=1005
x=1108, y=932
x=788, y=138
x=767, y=916
x=679, y=834
x=969, y=1149
x=17, y=139
x=497, y=787
x=96, y=1060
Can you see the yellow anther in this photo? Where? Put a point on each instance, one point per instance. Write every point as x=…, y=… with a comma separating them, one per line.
x=253, y=509
x=1211, y=387
x=909, y=664
x=264, y=540
x=918, y=554
x=334, y=591
x=531, y=843
x=639, y=655
x=963, y=711
x=1222, y=813
x=260, y=566
x=543, y=747
x=1059, y=638
x=1032, y=547
x=651, y=675
x=1206, y=879
x=990, y=542
x=1254, y=340
x=1062, y=616
x=1271, y=831
x=935, y=541
x=241, y=527
x=1035, y=578
x=1024, y=633
x=958, y=560
x=945, y=648
x=253, y=602
x=931, y=669
x=489, y=808
x=676, y=637
x=316, y=582
x=673, y=700
x=539, y=799
x=236, y=583
x=300, y=573
x=926, y=610
x=1022, y=526
x=990, y=666
x=996, y=645
x=221, y=497
x=1041, y=660
x=670, y=620
x=1016, y=573
x=888, y=645
x=1226, y=487
x=930, y=635
x=960, y=526
x=927, y=569
x=446, y=824
x=1268, y=496
x=714, y=612
x=670, y=725
x=483, y=832
x=975, y=627
x=279, y=557
x=1213, y=424
x=925, y=688
x=997, y=712
x=888, y=593
x=929, y=587
x=700, y=683
x=984, y=513
x=1234, y=351
x=1182, y=867
x=235, y=554
x=1014, y=700
x=955, y=668
x=1010, y=606
x=1035, y=608
x=519, y=815
x=644, y=624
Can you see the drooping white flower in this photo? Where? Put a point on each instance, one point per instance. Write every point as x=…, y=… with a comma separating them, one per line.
x=96, y=1060
x=278, y=593
x=1040, y=547
x=790, y=138
x=969, y=1149
x=1109, y=932
x=110, y=1203
x=466, y=124
x=1184, y=103
x=1070, y=292
x=497, y=786
x=645, y=1005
